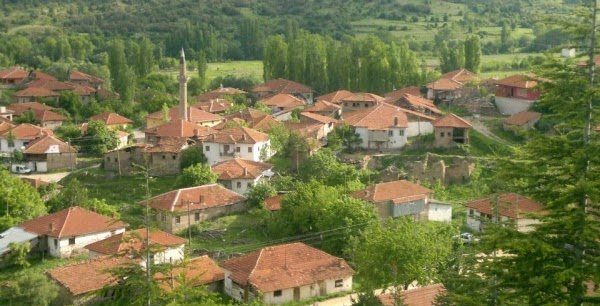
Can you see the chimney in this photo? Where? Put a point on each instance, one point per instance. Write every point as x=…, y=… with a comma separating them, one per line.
x=244, y=137
x=201, y=199
x=245, y=171
x=396, y=121
x=51, y=226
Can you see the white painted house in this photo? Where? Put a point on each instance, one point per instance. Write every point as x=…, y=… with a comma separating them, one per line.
x=63, y=233
x=164, y=247
x=17, y=138
x=381, y=127
x=237, y=142
x=240, y=175
x=506, y=208
x=285, y=273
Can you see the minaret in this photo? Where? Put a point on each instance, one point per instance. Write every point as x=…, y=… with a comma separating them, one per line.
x=183, y=108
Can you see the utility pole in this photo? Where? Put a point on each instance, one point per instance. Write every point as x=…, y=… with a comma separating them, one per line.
x=189, y=226
x=147, y=224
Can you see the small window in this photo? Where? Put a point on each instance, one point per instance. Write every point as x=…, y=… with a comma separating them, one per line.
x=238, y=149
x=163, y=217
x=249, y=149
x=366, y=105
x=55, y=243
x=401, y=133
x=238, y=184
x=226, y=148
x=164, y=157
x=207, y=148
x=442, y=134
x=249, y=185
x=72, y=241
x=277, y=293
x=177, y=219
x=196, y=216
x=116, y=160
x=174, y=157
x=471, y=212
x=390, y=133
x=339, y=283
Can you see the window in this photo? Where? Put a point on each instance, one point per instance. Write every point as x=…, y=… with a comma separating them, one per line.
x=207, y=148
x=72, y=241
x=163, y=217
x=226, y=148
x=471, y=212
x=277, y=293
x=55, y=243
x=116, y=160
x=249, y=185
x=391, y=133
x=449, y=134
x=164, y=157
x=177, y=219
x=401, y=133
x=249, y=149
x=174, y=156
x=238, y=184
x=238, y=149
x=196, y=216
x=366, y=104
x=339, y=283
x=442, y=134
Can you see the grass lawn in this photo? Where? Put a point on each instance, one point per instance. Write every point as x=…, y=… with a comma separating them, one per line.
x=495, y=126
x=238, y=68
x=122, y=191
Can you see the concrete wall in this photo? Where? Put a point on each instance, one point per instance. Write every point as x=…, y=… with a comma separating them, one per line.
x=371, y=141
x=18, y=144
x=160, y=163
x=240, y=186
x=439, y=212
x=51, y=124
x=61, y=247
x=216, y=152
x=416, y=128
x=171, y=225
x=61, y=161
x=511, y=106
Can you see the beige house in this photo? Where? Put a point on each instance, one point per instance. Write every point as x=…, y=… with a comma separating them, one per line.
x=450, y=131
x=506, y=208
x=180, y=208
x=283, y=86
x=360, y=101
x=524, y=121
x=112, y=120
x=240, y=175
x=49, y=153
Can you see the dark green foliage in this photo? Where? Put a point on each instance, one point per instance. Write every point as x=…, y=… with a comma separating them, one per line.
x=19, y=291
x=74, y=193
x=196, y=175
x=18, y=253
x=192, y=156
x=256, y=196
x=243, y=82
x=72, y=103
x=98, y=139
x=27, y=117
x=343, y=137
x=18, y=201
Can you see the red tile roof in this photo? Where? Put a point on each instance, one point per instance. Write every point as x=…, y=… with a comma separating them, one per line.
x=284, y=101
x=135, y=241
x=83, y=90
x=256, y=119
x=397, y=191
x=195, y=115
x=13, y=73
x=180, y=128
x=199, y=197
x=522, y=118
x=274, y=203
x=399, y=93
x=335, y=97
x=423, y=296
x=40, y=75
x=5, y=126
x=72, y=221
x=110, y=118
x=213, y=105
x=510, y=205
x=35, y=92
x=445, y=84
x=322, y=106
x=20, y=108
x=88, y=276
x=238, y=168
x=27, y=131
x=167, y=145
x=53, y=85
x=317, y=118
x=218, y=93
x=460, y=75
x=47, y=115
x=452, y=120
x=285, y=266
x=282, y=86
x=519, y=81
x=380, y=117
x=80, y=76
x=363, y=97
x=197, y=272
x=238, y=134
x=48, y=145
x=416, y=102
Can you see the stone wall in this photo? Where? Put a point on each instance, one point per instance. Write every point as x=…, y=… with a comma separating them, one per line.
x=434, y=168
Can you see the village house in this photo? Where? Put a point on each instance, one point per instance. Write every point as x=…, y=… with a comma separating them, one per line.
x=360, y=101
x=177, y=129
x=450, y=85
x=84, y=79
x=380, y=128
x=240, y=175
x=521, y=121
x=12, y=77
x=239, y=142
x=335, y=97
x=49, y=153
x=255, y=119
x=516, y=93
x=164, y=247
x=5, y=125
x=19, y=137
x=451, y=130
x=112, y=120
x=286, y=273
x=35, y=94
x=195, y=115
x=219, y=93
x=199, y=271
x=180, y=208
x=6, y=114
x=63, y=233
x=325, y=108
x=43, y=115
x=313, y=126
x=399, y=93
x=418, y=123
x=282, y=86
x=83, y=283
x=420, y=296
x=162, y=158
x=415, y=103
x=403, y=198
x=214, y=106
x=282, y=105
x=505, y=208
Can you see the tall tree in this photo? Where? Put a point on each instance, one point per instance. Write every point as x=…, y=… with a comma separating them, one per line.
x=275, y=58
x=120, y=74
x=18, y=201
x=202, y=68
x=145, y=60
x=473, y=53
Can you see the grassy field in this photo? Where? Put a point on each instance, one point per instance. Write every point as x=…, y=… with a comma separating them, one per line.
x=238, y=68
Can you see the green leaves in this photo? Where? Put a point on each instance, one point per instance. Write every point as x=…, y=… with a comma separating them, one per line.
x=18, y=201
x=196, y=175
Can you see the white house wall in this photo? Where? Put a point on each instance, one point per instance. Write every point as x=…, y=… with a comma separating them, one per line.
x=439, y=212
x=417, y=128
x=216, y=152
x=63, y=248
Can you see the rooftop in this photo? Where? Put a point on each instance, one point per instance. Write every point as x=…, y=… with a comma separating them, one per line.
x=452, y=120
x=238, y=168
x=398, y=191
x=199, y=197
x=510, y=205
x=134, y=240
x=380, y=117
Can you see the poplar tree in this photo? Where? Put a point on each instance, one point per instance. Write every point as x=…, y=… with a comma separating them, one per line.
x=275, y=58
x=202, y=68
x=472, y=53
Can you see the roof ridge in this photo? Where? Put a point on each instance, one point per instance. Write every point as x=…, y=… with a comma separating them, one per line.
x=260, y=252
x=65, y=221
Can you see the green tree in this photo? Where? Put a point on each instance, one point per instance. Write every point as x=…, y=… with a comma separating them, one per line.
x=256, y=196
x=18, y=201
x=98, y=138
x=72, y=103
x=196, y=175
x=73, y=193
x=202, y=68
x=473, y=54
x=19, y=291
x=18, y=253
x=192, y=156
x=400, y=252
x=343, y=136
x=275, y=58
x=122, y=78
x=145, y=61
x=68, y=131
x=26, y=117
x=326, y=168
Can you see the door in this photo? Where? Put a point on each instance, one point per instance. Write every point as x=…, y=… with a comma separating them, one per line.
x=322, y=288
x=297, y=294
